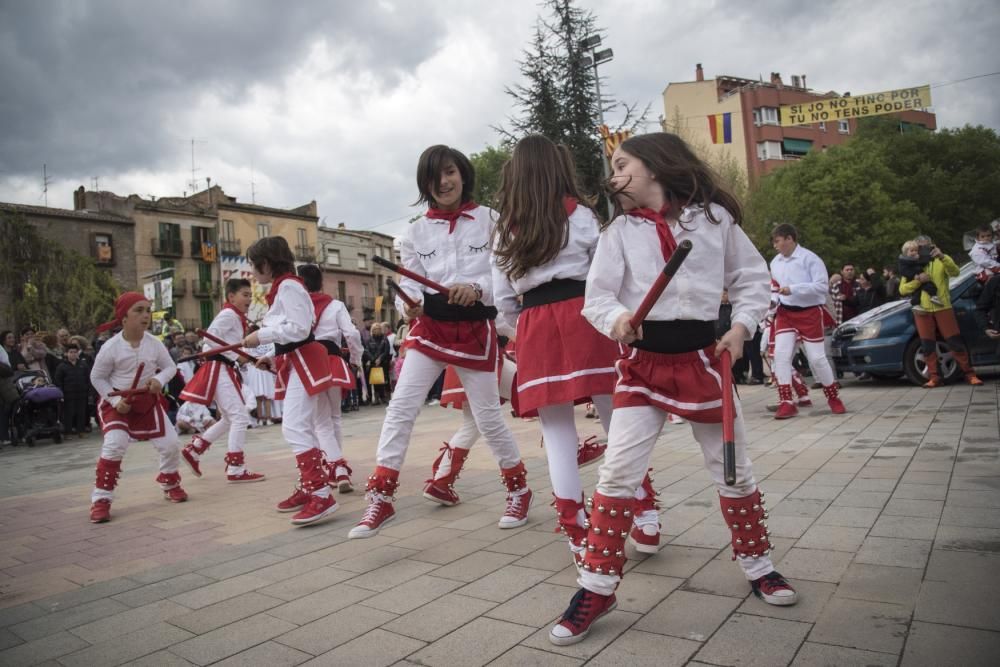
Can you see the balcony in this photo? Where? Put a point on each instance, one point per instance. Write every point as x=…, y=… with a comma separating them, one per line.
x=305, y=253
x=231, y=247
x=205, y=250
x=179, y=287
x=167, y=247
x=204, y=288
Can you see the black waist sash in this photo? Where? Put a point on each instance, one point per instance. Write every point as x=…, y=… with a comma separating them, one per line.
x=222, y=359
x=332, y=348
x=280, y=348
x=561, y=289
x=797, y=309
x=675, y=336
x=436, y=307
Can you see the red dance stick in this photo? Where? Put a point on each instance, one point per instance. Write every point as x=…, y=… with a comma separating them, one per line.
x=129, y=393
x=728, y=420
x=212, y=352
x=662, y=280
x=135, y=383
x=402, y=295
x=219, y=341
x=381, y=261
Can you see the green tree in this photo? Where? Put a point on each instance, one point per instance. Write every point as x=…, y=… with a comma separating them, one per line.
x=860, y=201
x=51, y=286
x=488, y=164
x=558, y=98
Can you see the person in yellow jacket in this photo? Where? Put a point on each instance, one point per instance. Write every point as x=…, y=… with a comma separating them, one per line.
x=933, y=318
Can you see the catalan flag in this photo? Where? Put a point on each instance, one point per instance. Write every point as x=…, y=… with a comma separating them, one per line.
x=612, y=140
x=720, y=126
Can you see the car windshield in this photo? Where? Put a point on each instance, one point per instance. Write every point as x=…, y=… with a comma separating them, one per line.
x=963, y=273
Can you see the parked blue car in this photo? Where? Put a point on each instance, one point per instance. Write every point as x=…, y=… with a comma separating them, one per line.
x=883, y=342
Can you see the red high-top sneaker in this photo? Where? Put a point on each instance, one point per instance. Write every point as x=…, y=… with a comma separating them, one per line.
x=518, y=496
x=381, y=488
x=583, y=610
x=442, y=489
x=590, y=451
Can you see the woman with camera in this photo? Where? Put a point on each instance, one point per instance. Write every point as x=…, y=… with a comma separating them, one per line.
x=932, y=318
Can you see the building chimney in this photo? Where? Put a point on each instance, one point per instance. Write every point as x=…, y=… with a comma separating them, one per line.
x=341, y=225
x=699, y=73
x=803, y=80
x=79, y=199
x=776, y=78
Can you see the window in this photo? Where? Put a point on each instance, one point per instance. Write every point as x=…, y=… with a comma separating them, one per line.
x=795, y=148
x=366, y=290
x=767, y=116
x=102, y=248
x=166, y=264
x=301, y=236
x=170, y=231
x=768, y=150
x=822, y=126
x=381, y=284
x=756, y=117
x=263, y=229
x=228, y=234
x=332, y=256
x=844, y=126
x=342, y=290
x=207, y=312
x=362, y=261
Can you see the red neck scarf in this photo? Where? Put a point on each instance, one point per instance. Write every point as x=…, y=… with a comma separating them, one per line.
x=276, y=282
x=570, y=203
x=242, y=316
x=667, y=241
x=452, y=216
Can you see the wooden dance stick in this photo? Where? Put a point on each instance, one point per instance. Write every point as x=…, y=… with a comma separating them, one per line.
x=728, y=420
x=662, y=280
x=402, y=295
x=219, y=341
x=212, y=352
x=437, y=287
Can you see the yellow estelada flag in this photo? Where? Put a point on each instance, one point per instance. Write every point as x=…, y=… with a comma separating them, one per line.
x=378, y=304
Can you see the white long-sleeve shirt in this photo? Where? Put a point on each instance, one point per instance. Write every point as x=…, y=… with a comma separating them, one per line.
x=460, y=257
x=804, y=274
x=290, y=318
x=226, y=326
x=572, y=263
x=335, y=323
x=117, y=360
x=628, y=260
x=984, y=256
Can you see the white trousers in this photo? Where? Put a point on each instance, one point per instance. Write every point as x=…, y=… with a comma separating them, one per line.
x=302, y=414
x=784, y=353
x=467, y=434
x=631, y=439
x=234, y=419
x=329, y=431
x=116, y=443
x=481, y=393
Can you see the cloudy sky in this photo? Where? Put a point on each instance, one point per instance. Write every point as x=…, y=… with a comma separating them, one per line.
x=334, y=100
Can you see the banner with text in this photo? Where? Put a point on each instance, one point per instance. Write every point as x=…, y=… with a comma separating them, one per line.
x=856, y=106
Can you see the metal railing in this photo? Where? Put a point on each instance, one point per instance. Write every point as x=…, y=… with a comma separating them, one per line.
x=167, y=247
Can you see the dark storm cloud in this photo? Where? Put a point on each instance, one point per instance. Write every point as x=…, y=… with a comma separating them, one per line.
x=96, y=83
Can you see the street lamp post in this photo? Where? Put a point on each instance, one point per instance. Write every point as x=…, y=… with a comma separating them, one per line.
x=594, y=59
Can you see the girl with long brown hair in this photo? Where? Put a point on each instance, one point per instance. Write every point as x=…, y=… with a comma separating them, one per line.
x=665, y=194
x=543, y=245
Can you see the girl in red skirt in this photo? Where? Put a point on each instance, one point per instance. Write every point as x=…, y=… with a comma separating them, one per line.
x=673, y=365
x=124, y=419
x=450, y=245
x=544, y=243
x=304, y=373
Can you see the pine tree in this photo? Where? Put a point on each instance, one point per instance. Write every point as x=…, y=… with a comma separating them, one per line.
x=558, y=99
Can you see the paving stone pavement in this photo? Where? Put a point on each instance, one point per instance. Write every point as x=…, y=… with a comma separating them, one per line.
x=887, y=519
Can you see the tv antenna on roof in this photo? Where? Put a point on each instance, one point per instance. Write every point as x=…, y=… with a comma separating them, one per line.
x=193, y=183
x=46, y=181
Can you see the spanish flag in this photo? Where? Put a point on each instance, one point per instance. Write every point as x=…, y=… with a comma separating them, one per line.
x=720, y=126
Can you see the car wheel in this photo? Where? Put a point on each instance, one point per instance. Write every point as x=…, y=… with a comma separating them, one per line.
x=915, y=365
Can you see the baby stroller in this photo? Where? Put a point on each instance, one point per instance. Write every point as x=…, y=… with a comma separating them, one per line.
x=38, y=411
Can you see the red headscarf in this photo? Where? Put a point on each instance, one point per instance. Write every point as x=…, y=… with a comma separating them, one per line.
x=122, y=306
x=452, y=216
x=667, y=241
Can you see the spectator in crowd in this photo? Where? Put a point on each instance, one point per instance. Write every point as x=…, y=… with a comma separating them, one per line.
x=192, y=339
x=26, y=338
x=8, y=393
x=836, y=299
x=15, y=358
x=174, y=342
x=848, y=290
x=985, y=255
x=871, y=291
x=933, y=319
x=193, y=418
x=73, y=377
x=724, y=323
x=62, y=340
x=379, y=357
x=913, y=263
x=891, y=281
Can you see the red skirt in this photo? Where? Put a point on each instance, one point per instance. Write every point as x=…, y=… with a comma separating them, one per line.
x=340, y=371
x=201, y=388
x=312, y=364
x=453, y=394
x=688, y=384
x=145, y=421
x=580, y=365
x=471, y=345
x=808, y=324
